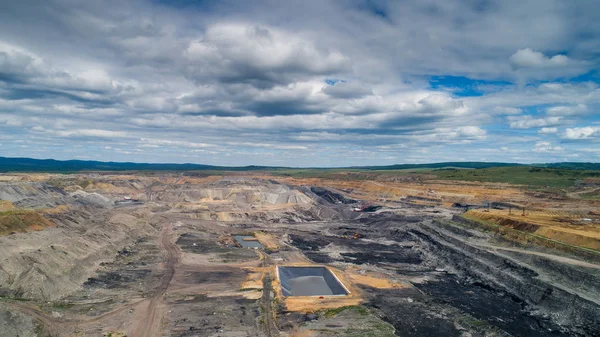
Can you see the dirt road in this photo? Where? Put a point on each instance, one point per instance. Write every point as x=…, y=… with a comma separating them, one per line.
x=148, y=319
x=561, y=259
x=577, y=195
x=268, y=319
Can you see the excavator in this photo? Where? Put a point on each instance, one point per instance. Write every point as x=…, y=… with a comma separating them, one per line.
x=362, y=207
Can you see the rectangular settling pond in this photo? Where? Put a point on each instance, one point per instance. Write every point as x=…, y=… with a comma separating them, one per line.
x=248, y=241
x=309, y=281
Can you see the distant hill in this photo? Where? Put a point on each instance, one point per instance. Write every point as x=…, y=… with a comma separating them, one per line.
x=466, y=165
x=51, y=165
x=573, y=166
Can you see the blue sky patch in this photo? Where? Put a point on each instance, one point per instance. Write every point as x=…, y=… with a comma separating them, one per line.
x=464, y=87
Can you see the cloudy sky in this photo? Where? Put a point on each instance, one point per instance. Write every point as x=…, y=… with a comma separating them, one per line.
x=300, y=83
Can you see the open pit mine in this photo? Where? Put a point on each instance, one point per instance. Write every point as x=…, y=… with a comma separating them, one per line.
x=254, y=254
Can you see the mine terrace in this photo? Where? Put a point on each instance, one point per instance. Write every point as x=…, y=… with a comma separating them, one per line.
x=272, y=254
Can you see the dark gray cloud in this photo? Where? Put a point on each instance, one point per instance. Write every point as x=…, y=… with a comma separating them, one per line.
x=259, y=55
x=344, y=89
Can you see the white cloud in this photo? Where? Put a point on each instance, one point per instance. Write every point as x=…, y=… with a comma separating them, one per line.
x=528, y=121
x=270, y=146
x=507, y=110
x=22, y=67
x=12, y=121
x=460, y=135
x=550, y=94
x=352, y=89
x=582, y=133
x=176, y=143
x=533, y=65
x=317, y=136
x=94, y=133
x=471, y=131
x=529, y=58
x=573, y=110
x=258, y=54
x=546, y=147
x=548, y=131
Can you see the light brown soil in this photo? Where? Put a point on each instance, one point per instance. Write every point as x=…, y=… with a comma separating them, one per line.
x=566, y=227
x=267, y=240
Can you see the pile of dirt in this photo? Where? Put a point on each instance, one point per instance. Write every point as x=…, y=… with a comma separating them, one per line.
x=6, y=206
x=506, y=222
x=91, y=198
x=331, y=196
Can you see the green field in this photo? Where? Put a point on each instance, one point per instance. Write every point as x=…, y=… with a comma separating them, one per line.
x=521, y=175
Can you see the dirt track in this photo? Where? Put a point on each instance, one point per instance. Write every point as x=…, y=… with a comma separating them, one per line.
x=269, y=325
x=577, y=195
x=148, y=320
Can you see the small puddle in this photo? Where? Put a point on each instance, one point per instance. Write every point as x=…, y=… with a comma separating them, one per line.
x=248, y=241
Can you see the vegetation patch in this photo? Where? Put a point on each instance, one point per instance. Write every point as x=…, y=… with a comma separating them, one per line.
x=357, y=321
x=115, y=334
x=520, y=175
x=20, y=221
x=355, y=308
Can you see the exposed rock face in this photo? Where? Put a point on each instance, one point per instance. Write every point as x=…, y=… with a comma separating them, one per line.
x=331, y=196
x=238, y=192
x=548, y=288
x=53, y=263
x=32, y=195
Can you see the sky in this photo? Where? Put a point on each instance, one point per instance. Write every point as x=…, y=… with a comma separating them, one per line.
x=300, y=82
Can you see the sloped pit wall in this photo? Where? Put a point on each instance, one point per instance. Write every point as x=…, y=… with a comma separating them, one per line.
x=576, y=314
x=309, y=281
